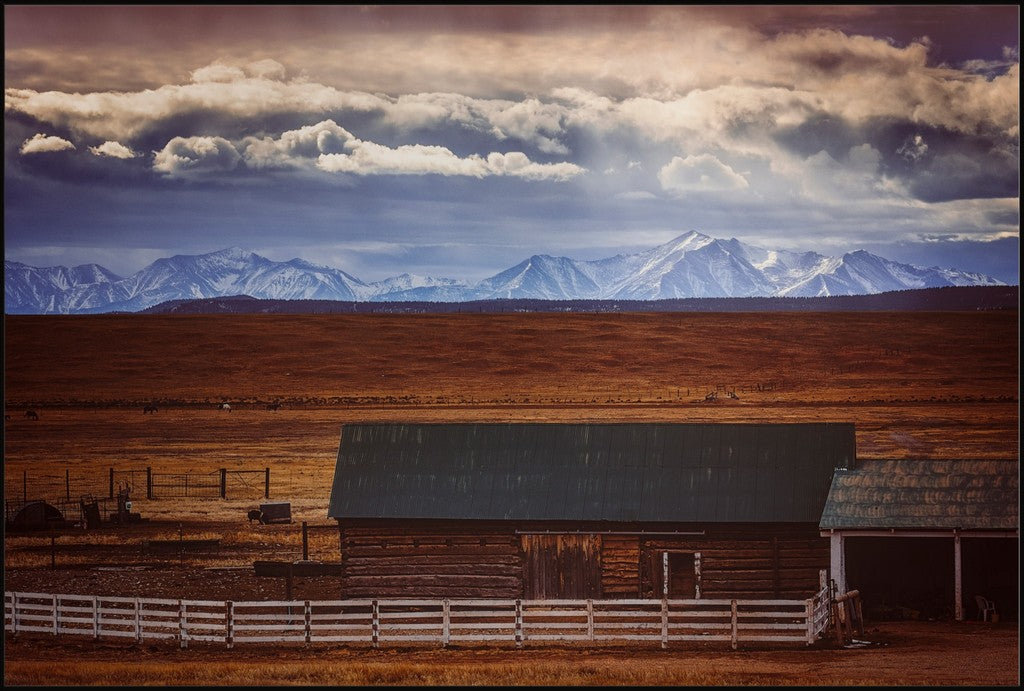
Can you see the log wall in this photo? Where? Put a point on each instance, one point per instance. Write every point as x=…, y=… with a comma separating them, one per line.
x=494, y=559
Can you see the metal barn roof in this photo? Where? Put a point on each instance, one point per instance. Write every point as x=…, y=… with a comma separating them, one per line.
x=965, y=494
x=589, y=472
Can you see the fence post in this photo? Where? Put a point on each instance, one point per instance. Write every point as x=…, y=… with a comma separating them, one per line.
x=223, y=483
x=664, y=622
x=182, y=631
x=229, y=624
x=446, y=623
x=519, y=623
x=309, y=619
x=111, y=483
x=375, y=627
x=56, y=621
x=95, y=618
x=735, y=626
x=14, y=612
x=266, y=488
x=149, y=482
x=809, y=613
x=138, y=620
x=590, y=619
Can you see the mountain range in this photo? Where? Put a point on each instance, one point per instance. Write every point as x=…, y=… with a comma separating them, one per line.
x=692, y=265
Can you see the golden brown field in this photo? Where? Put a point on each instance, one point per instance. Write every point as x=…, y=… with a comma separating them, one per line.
x=917, y=385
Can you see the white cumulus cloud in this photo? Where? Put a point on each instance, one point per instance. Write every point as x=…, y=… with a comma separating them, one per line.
x=184, y=156
x=700, y=173
x=41, y=143
x=113, y=150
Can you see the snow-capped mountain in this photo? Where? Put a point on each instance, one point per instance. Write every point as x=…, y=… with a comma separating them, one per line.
x=691, y=265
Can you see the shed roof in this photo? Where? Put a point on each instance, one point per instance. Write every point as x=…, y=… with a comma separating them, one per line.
x=589, y=472
x=964, y=494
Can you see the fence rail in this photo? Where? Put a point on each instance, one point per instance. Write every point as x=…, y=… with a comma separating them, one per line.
x=439, y=622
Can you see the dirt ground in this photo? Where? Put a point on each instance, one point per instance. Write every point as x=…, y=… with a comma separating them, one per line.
x=938, y=653
x=890, y=653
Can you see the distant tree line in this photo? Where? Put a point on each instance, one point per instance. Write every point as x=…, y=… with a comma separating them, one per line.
x=946, y=299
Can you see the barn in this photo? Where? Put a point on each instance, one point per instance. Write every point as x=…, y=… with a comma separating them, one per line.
x=929, y=536
x=585, y=510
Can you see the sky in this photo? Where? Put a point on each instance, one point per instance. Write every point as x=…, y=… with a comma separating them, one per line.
x=456, y=141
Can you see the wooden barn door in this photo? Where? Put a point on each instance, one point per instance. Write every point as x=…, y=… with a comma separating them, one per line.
x=561, y=566
x=682, y=570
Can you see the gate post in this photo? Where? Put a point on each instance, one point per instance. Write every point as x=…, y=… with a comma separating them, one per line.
x=809, y=613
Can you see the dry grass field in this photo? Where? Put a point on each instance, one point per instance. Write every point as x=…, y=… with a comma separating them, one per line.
x=917, y=385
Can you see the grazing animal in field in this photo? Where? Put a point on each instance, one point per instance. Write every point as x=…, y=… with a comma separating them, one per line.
x=149, y=409
x=255, y=515
x=273, y=406
x=31, y=415
x=224, y=406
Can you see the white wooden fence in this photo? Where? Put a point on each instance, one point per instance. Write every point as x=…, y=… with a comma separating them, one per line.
x=439, y=622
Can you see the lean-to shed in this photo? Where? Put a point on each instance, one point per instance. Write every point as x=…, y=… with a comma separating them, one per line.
x=585, y=510
x=928, y=535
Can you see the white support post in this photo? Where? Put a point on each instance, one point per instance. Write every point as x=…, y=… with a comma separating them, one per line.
x=958, y=591
x=14, y=612
x=229, y=624
x=590, y=619
x=56, y=618
x=95, y=618
x=837, y=561
x=138, y=620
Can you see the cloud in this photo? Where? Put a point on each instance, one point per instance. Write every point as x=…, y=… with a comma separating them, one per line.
x=42, y=143
x=700, y=173
x=369, y=158
x=913, y=149
x=113, y=150
x=330, y=148
x=296, y=148
x=196, y=155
